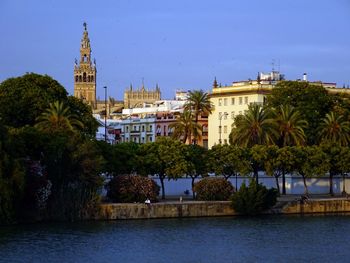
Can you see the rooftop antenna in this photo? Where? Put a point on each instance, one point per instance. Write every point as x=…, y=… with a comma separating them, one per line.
x=273, y=65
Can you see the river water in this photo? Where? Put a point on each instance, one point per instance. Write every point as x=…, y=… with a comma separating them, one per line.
x=229, y=239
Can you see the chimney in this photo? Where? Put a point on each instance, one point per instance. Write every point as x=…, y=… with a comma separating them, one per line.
x=304, y=77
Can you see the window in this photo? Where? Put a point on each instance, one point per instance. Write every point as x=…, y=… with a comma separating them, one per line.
x=76, y=78
x=143, y=139
x=245, y=100
x=220, y=115
x=232, y=115
x=225, y=129
x=150, y=128
x=150, y=138
x=127, y=128
x=240, y=100
x=225, y=115
x=143, y=128
x=225, y=102
x=232, y=101
x=84, y=77
x=220, y=102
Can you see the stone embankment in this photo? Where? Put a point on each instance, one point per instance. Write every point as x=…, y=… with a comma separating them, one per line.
x=218, y=208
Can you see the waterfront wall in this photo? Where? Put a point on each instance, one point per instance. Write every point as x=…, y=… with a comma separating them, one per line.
x=212, y=209
x=317, y=206
x=166, y=210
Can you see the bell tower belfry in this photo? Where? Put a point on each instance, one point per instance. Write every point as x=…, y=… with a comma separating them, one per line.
x=85, y=72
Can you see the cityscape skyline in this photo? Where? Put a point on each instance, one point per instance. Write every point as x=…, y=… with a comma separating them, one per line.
x=178, y=45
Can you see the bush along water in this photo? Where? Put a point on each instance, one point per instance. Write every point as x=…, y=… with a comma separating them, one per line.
x=132, y=188
x=213, y=189
x=253, y=199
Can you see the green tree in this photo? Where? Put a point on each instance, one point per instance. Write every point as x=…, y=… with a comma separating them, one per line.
x=163, y=158
x=185, y=127
x=333, y=155
x=57, y=117
x=198, y=103
x=312, y=101
x=23, y=99
x=277, y=163
x=228, y=161
x=290, y=126
x=309, y=161
x=254, y=127
x=196, y=158
x=334, y=129
x=12, y=178
x=344, y=165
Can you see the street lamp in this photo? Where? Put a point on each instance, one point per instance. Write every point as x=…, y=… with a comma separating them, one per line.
x=105, y=113
x=220, y=118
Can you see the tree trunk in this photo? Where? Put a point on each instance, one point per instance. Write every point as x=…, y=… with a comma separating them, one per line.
x=278, y=185
x=306, y=191
x=193, y=193
x=331, y=184
x=161, y=178
x=283, y=182
x=256, y=175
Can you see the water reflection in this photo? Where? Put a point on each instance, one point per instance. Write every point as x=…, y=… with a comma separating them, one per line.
x=265, y=239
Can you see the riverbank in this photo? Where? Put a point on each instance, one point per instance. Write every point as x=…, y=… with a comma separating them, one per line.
x=177, y=209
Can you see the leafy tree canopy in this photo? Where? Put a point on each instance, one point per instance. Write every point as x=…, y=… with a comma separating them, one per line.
x=312, y=101
x=23, y=99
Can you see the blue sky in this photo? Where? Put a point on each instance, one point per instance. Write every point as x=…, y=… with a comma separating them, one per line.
x=178, y=44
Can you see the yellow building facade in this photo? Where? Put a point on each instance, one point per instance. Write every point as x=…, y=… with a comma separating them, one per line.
x=230, y=101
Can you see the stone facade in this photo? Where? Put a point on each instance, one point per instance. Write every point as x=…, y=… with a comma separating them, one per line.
x=137, y=98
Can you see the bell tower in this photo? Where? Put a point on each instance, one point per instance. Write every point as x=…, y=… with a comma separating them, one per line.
x=85, y=72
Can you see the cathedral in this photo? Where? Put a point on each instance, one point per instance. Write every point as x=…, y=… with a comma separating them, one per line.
x=85, y=85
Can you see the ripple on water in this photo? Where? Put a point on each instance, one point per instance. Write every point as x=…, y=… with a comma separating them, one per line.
x=263, y=239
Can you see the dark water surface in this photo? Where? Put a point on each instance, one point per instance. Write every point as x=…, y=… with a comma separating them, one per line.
x=265, y=239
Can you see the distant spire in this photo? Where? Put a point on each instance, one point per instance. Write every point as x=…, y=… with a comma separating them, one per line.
x=130, y=86
x=143, y=84
x=258, y=78
x=85, y=26
x=215, y=84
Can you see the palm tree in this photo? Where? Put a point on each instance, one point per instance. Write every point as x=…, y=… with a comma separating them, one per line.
x=198, y=102
x=290, y=126
x=184, y=127
x=335, y=129
x=57, y=117
x=254, y=127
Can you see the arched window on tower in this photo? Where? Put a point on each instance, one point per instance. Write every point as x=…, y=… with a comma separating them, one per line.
x=85, y=58
x=76, y=78
x=88, y=78
x=80, y=78
x=92, y=78
x=84, y=77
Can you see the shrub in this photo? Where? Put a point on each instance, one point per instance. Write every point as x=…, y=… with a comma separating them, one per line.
x=253, y=199
x=213, y=189
x=132, y=188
